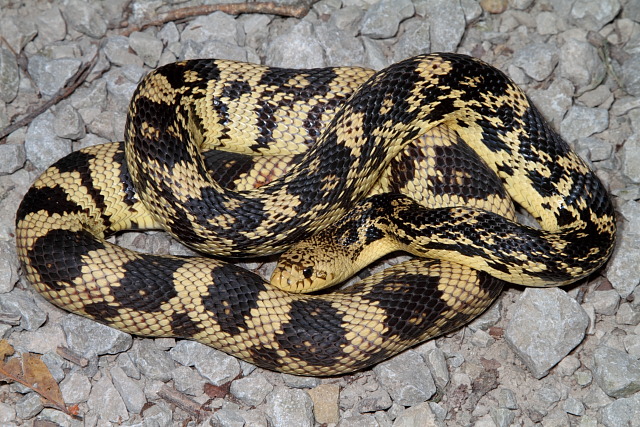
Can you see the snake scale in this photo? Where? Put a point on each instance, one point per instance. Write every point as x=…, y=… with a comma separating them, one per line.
x=479, y=143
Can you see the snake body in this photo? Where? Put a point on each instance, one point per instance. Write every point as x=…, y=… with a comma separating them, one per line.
x=350, y=126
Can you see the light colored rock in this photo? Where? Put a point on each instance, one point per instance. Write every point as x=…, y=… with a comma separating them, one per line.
x=9, y=75
x=325, y=403
x=383, y=19
x=407, y=378
x=251, y=390
x=616, y=372
x=545, y=326
x=289, y=407
x=106, y=402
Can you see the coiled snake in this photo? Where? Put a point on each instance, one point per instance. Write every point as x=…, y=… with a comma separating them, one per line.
x=359, y=128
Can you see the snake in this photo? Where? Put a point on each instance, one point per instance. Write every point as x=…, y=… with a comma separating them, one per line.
x=349, y=131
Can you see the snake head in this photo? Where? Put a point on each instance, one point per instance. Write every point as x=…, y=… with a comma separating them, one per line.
x=301, y=270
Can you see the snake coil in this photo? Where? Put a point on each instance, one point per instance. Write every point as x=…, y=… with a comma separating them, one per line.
x=346, y=129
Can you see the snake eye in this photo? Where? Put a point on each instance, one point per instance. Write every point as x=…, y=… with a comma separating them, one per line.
x=307, y=272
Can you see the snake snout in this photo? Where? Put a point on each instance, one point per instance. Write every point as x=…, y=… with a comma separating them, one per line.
x=300, y=278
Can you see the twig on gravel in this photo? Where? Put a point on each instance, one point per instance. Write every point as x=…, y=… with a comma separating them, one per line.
x=271, y=8
x=72, y=356
x=70, y=86
x=182, y=401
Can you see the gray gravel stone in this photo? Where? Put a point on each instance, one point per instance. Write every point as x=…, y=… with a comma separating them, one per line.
x=7, y=413
x=592, y=15
x=580, y=62
x=415, y=39
x=487, y=319
x=594, y=149
x=42, y=145
x=622, y=412
x=598, y=97
x=417, y=415
x=507, y=399
x=213, y=49
x=159, y=415
x=227, y=418
x=75, y=388
x=51, y=25
x=20, y=303
x=554, y=101
x=50, y=75
x=88, y=338
x=632, y=345
x=9, y=75
x=55, y=364
x=472, y=9
x=289, y=407
x=8, y=265
x=582, y=122
x=118, y=52
x=347, y=19
x=121, y=83
x=126, y=364
x=447, y=26
x=152, y=362
x=383, y=19
x=378, y=400
x=325, y=399
x=545, y=326
x=251, y=390
x=188, y=352
x=169, y=33
x=187, y=380
x=359, y=421
x=630, y=73
x=437, y=363
x=626, y=315
x=568, y=366
x=537, y=60
x=57, y=418
x=374, y=54
x=583, y=377
x=216, y=26
x=617, y=373
x=14, y=156
x=631, y=159
x=339, y=46
x=406, y=378
x=107, y=402
x=297, y=48
x=68, y=122
x=482, y=339
x=622, y=271
x=17, y=30
x=547, y=23
x=85, y=17
x=300, y=381
x=29, y=406
x=93, y=96
x=502, y=417
x=147, y=47
x=573, y=406
x=130, y=391
x=218, y=368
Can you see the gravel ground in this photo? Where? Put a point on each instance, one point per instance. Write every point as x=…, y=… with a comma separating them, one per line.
x=554, y=357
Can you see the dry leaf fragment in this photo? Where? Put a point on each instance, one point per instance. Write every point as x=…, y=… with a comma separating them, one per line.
x=30, y=371
x=5, y=349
